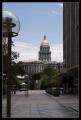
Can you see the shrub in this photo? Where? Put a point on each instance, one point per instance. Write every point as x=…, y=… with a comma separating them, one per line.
x=49, y=90
x=54, y=91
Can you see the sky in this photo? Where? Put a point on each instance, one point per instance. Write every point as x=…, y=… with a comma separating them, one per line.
x=37, y=19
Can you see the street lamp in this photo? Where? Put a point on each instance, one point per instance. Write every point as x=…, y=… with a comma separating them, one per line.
x=10, y=28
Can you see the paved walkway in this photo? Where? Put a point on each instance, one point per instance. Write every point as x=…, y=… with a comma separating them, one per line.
x=37, y=104
x=70, y=101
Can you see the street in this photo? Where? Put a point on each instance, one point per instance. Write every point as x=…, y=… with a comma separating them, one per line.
x=37, y=105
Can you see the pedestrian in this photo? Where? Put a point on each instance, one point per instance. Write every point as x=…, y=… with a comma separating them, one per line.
x=14, y=89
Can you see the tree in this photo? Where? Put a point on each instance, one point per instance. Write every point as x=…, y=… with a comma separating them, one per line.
x=16, y=69
x=44, y=81
x=56, y=80
x=19, y=68
x=51, y=75
x=14, y=56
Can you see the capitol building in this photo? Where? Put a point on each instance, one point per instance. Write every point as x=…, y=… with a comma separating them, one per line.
x=44, y=60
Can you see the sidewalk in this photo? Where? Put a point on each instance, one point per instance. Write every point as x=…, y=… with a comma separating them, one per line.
x=71, y=101
x=39, y=104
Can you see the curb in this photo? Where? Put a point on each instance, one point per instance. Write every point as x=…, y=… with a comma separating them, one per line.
x=74, y=109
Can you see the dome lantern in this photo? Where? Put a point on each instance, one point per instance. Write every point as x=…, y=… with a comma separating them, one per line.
x=45, y=41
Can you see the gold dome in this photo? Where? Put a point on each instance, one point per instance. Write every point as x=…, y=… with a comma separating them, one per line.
x=44, y=42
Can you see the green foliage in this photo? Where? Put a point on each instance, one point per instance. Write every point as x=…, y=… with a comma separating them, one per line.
x=49, y=71
x=20, y=69
x=16, y=69
x=49, y=90
x=56, y=80
x=49, y=77
x=13, y=73
x=44, y=81
x=53, y=91
x=14, y=55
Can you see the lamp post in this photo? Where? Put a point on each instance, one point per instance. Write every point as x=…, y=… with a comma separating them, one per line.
x=10, y=28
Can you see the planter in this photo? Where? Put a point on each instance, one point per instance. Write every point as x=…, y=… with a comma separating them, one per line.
x=56, y=92
x=53, y=91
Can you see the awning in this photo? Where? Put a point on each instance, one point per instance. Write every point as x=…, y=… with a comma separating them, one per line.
x=23, y=83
